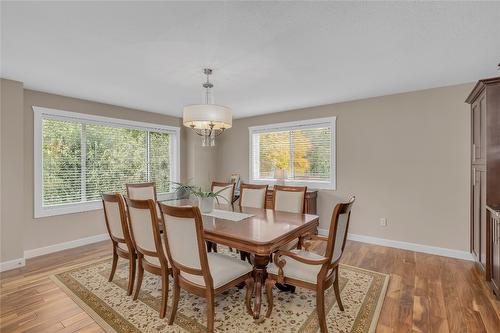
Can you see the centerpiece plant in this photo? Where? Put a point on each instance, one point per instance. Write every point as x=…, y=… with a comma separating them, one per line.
x=206, y=199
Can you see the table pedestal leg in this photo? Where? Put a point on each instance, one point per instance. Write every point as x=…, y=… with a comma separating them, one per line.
x=260, y=275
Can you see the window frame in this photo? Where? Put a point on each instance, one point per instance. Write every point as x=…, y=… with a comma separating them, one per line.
x=41, y=113
x=331, y=184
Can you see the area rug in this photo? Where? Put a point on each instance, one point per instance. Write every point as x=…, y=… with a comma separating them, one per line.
x=362, y=294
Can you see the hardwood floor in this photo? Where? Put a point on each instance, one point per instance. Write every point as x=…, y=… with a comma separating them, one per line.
x=426, y=293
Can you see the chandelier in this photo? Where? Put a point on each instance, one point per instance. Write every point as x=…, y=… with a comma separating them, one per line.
x=207, y=120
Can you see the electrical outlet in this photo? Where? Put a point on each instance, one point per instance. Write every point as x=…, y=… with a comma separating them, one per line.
x=383, y=222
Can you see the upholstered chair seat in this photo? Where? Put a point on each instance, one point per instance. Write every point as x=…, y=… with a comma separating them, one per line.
x=223, y=268
x=299, y=270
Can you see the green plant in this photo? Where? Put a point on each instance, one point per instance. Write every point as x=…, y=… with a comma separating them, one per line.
x=198, y=192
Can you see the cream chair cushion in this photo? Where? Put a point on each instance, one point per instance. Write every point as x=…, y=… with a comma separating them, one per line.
x=114, y=219
x=155, y=260
x=144, y=193
x=287, y=201
x=252, y=197
x=297, y=270
x=141, y=193
x=226, y=194
x=223, y=269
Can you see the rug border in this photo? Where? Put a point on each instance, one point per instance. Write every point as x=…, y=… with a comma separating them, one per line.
x=87, y=309
x=108, y=329
x=378, y=308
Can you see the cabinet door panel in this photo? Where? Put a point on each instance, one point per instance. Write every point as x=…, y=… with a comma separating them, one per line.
x=479, y=214
x=478, y=153
x=476, y=213
x=495, y=251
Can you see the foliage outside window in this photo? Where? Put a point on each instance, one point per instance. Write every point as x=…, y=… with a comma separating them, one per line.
x=80, y=158
x=303, y=152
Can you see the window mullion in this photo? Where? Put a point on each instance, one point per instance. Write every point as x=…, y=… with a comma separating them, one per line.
x=83, y=163
x=292, y=167
x=148, y=156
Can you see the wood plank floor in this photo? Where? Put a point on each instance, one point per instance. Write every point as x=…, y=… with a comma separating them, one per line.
x=426, y=293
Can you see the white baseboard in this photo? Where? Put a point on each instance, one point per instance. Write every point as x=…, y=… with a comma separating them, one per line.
x=440, y=251
x=64, y=246
x=12, y=264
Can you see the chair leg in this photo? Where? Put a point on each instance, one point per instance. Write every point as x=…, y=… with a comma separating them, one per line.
x=175, y=301
x=113, y=265
x=164, y=292
x=248, y=296
x=269, y=291
x=210, y=311
x=140, y=274
x=131, y=274
x=320, y=309
x=337, y=290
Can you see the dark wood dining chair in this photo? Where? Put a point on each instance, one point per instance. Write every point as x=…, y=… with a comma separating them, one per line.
x=227, y=192
x=149, y=244
x=252, y=195
x=116, y=223
x=312, y=271
x=290, y=199
x=194, y=269
x=143, y=191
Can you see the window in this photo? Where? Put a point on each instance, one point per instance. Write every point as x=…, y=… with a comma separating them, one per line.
x=79, y=156
x=303, y=153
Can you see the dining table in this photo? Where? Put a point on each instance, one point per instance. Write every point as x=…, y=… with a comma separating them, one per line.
x=259, y=232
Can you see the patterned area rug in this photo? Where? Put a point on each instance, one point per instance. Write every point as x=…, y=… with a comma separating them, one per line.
x=362, y=293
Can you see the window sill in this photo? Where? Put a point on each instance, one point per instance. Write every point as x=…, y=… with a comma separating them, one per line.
x=82, y=207
x=316, y=185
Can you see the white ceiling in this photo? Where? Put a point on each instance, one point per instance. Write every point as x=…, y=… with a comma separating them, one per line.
x=266, y=57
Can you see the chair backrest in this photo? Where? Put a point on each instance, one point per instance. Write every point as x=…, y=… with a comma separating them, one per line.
x=227, y=191
x=144, y=228
x=115, y=216
x=184, y=241
x=253, y=195
x=339, y=226
x=290, y=198
x=141, y=191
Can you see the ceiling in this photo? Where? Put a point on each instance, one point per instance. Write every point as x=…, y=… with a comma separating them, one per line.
x=266, y=57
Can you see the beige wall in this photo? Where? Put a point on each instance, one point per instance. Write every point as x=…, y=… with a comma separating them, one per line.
x=404, y=156
x=47, y=231
x=12, y=205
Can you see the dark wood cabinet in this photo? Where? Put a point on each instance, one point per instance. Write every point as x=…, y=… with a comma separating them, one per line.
x=494, y=221
x=478, y=212
x=485, y=178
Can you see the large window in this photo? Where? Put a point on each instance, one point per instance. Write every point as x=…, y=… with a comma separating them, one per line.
x=78, y=157
x=301, y=153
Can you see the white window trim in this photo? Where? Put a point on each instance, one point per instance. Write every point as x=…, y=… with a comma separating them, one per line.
x=42, y=112
x=327, y=185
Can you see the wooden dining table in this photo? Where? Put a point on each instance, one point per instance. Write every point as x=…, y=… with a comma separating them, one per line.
x=261, y=234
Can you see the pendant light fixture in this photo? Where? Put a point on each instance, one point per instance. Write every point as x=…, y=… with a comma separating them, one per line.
x=207, y=120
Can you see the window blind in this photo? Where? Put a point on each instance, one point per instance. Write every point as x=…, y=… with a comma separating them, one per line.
x=304, y=152
x=82, y=159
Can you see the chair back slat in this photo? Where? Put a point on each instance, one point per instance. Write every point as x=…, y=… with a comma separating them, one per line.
x=253, y=195
x=145, y=228
x=289, y=198
x=115, y=216
x=141, y=191
x=227, y=192
x=184, y=238
x=338, y=230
